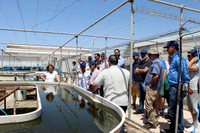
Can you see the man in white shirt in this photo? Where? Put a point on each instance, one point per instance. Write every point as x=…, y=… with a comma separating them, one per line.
x=83, y=77
x=104, y=62
x=115, y=83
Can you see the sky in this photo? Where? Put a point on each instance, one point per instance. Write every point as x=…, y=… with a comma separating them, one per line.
x=73, y=16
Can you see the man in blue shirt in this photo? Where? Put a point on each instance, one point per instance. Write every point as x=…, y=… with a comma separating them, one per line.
x=153, y=83
x=136, y=59
x=173, y=50
x=121, y=61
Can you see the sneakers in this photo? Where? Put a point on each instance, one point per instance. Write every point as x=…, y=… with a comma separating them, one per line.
x=189, y=130
x=161, y=112
x=134, y=105
x=139, y=112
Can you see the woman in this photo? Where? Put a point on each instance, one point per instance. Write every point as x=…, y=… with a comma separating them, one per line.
x=50, y=75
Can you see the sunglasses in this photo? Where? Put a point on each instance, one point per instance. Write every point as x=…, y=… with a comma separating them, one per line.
x=188, y=56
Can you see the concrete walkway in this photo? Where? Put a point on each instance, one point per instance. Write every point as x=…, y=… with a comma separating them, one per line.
x=163, y=123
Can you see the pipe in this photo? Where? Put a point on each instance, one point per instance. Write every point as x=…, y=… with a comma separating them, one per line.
x=3, y=111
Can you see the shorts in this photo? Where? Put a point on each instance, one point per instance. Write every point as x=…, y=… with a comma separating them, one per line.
x=192, y=101
x=134, y=89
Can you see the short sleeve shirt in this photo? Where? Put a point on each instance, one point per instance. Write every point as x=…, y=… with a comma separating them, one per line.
x=121, y=62
x=114, y=85
x=135, y=76
x=142, y=65
x=164, y=64
x=95, y=73
x=50, y=77
x=194, y=77
x=83, y=79
x=158, y=69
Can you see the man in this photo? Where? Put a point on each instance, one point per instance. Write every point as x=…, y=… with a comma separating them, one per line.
x=153, y=82
x=161, y=100
x=89, y=60
x=97, y=60
x=136, y=59
x=142, y=70
x=115, y=83
x=193, y=96
x=104, y=62
x=173, y=50
x=121, y=61
x=95, y=73
x=83, y=77
x=73, y=66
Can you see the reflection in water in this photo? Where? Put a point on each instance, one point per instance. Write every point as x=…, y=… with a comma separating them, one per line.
x=64, y=110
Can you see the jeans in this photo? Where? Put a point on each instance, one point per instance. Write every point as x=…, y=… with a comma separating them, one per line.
x=173, y=90
x=142, y=93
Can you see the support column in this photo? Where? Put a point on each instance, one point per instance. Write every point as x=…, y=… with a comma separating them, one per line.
x=76, y=58
x=179, y=76
x=60, y=64
x=14, y=104
x=2, y=61
x=131, y=59
x=105, y=50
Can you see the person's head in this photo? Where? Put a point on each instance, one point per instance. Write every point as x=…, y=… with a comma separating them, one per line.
x=89, y=58
x=97, y=56
x=117, y=52
x=92, y=65
x=172, y=47
x=103, y=56
x=193, y=53
x=143, y=54
x=112, y=60
x=135, y=56
x=50, y=68
x=83, y=66
x=189, y=56
x=50, y=97
x=74, y=63
x=153, y=53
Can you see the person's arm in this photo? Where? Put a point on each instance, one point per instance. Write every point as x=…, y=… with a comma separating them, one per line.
x=194, y=60
x=94, y=87
x=164, y=74
x=43, y=76
x=140, y=71
x=57, y=78
x=193, y=68
x=155, y=79
x=98, y=81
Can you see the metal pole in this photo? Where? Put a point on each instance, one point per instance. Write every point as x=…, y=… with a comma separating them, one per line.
x=2, y=61
x=174, y=5
x=131, y=59
x=60, y=63
x=105, y=50
x=76, y=57
x=14, y=104
x=93, y=47
x=179, y=75
x=80, y=52
x=9, y=62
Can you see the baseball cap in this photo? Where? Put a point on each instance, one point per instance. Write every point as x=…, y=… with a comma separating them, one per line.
x=135, y=54
x=193, y=51
x=82, y=64
x=92, y=63
x=143, y=51
x=171, y=43
x=153, y=51
x=89, y=57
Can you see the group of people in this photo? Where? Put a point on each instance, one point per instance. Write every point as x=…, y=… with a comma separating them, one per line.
x=153, y=81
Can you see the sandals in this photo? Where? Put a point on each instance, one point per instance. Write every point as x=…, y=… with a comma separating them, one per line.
x=149, y=125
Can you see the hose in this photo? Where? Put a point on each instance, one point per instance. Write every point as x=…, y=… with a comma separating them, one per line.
x=3, y=111
x=199, y=79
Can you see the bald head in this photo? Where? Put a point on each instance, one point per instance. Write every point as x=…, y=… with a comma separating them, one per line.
x=113, y=60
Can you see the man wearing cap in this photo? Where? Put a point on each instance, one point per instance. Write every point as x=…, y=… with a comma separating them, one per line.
x=137, y=60
x=193, y=96
x=121, y=61
x=95, y=73
x=153, y=83
x=173, y=50
x=89, y=60
x=142, y=70
x=83, y=77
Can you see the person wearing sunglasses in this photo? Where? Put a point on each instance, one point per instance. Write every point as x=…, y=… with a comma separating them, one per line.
x=193, y=96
